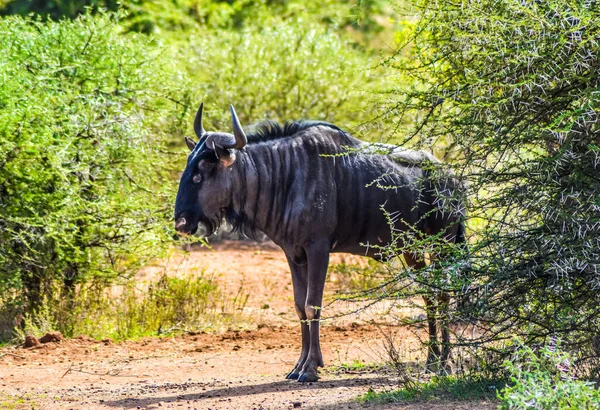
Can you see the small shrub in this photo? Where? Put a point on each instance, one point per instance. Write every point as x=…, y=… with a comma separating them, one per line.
x=279, y=73
x=134, y=309
x=447, y=387
x=38, y=325
x=543, y=381
x=84, y=192
x=349, y=277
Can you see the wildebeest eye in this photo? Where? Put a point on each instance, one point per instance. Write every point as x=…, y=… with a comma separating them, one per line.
x=197, y=178
x=205, y=165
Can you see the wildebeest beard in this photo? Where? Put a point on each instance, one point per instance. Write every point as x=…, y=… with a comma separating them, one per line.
x=210, y=224
x=238, y=222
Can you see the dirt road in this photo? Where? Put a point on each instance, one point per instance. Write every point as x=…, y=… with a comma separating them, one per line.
x=233, y=370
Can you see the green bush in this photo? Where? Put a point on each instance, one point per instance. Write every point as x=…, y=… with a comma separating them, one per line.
x=154, y=16
x=171, y=304
x=83, y=170
x=543, y=381
x=54, y=8
x=191, y=302
x=510, y=90
x=281, y=73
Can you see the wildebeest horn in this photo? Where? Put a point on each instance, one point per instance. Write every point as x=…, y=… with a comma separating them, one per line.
x=198, y=129
x=238, y=132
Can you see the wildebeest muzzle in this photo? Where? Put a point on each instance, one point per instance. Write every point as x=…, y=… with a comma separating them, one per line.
x=185, y=224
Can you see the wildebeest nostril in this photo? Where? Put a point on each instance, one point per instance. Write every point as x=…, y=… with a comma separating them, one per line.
x=181, y=222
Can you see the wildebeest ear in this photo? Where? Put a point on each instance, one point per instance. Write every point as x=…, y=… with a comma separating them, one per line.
x=228, y=159
x=225, y=155
x=190, y=143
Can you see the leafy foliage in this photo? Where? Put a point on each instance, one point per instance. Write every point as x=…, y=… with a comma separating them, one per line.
x=542, y=380
x=151, y=16
x=54, y=9
x=510, y=89
x=280, y=74
x=82, y=191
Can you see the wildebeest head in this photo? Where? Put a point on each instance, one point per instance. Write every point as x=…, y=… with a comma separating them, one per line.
x=205, y=187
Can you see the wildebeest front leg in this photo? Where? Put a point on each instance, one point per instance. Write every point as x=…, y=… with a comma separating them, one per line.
x=299, y=280
x=317, y=253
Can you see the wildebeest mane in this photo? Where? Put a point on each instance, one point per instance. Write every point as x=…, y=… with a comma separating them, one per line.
x=266, y=131
x=270, y=130
x=263, y=132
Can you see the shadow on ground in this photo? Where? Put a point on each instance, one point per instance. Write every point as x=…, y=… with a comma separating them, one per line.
x=245, y=390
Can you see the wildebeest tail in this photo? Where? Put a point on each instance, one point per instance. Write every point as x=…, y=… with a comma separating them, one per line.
x=461, y=237
x=467, y=297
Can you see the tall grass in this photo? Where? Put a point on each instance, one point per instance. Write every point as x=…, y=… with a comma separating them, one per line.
x=171, y=304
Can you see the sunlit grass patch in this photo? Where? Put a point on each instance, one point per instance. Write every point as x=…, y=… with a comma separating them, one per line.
x=439, y=388
x=355, y=367
x=169, y=305
x=18, y=402
x=351, y=277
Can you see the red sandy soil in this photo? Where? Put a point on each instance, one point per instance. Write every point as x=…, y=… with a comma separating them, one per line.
x=232, y=370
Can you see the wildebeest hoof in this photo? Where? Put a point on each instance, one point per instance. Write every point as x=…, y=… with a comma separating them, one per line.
x=308, y=377
x=293, y=375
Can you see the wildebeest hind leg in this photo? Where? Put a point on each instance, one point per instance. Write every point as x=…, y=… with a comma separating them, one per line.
x=318, y=258
x=433, y=348
x=299, y=281
x=451, y=234
x=444, y=305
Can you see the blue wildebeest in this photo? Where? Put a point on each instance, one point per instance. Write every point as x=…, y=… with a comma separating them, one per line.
x=288, y=183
